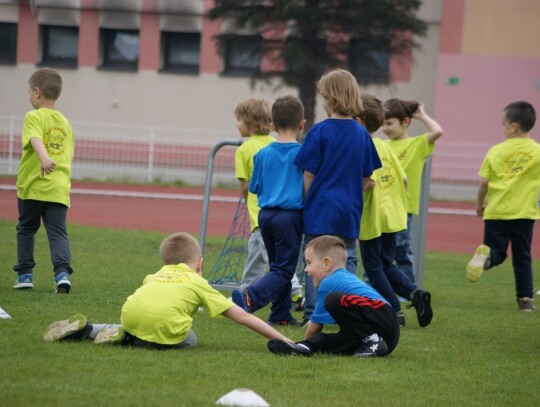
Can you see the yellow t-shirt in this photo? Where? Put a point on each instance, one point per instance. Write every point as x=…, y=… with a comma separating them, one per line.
x=161, y=310
x=243, y=165
x=512, y=169
x=54, y=130
x=385, y=204
x=412, y=153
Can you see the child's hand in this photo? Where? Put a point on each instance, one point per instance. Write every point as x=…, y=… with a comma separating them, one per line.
x=420, y=112
x=480, y=210
x=47, y=166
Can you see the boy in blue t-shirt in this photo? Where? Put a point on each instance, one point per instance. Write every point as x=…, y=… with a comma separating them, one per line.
x=278, y=184
x=337, y=156
x=368, y=324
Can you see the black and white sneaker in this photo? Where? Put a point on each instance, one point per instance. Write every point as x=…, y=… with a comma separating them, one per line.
x=421, y=302
x=372, y=346
x=285, y=348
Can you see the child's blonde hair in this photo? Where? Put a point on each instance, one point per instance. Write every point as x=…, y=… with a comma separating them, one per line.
x=48, y=81
x=179, y=248
x=341, y=92
x=329, y=246
x=256, y=115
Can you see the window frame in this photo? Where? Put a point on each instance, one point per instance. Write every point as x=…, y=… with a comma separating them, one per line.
x=54, y=61
x=10, y=56
x=237, y=69
x=167, y=40
x=373, y=74
x=106, y=38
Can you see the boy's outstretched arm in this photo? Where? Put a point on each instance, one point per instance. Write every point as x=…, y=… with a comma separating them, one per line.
x=481, y=197
x=244, y=188
x=240, y=316
x=47, y=165
x=434, y=130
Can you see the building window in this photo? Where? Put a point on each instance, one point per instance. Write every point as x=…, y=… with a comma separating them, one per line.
x=120, y=49
x=8, y=43
x=181, y=52
x=369, y=62
x=243, y=55
x=60, y=46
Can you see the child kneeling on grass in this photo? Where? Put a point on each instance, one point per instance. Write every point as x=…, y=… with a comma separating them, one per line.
x=159, y=314
x=368, y=324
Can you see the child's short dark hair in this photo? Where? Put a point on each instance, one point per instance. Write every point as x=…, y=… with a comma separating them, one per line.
x=400, y=109
x=521, y=113
x=179, y=248
x=372, y=114
x=255, y=113
x=287, y=113
x=331, y=246
x=48, y=81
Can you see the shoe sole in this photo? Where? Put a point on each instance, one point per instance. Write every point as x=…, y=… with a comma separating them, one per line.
x=475, y=267
x=424, y=313
x=110, y=336
x=23, y=286
x=280, y=347
x=60, y=329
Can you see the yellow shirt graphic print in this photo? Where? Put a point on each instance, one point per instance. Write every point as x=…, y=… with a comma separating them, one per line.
x=386, y=174
x=55, y=141
x=517, y=164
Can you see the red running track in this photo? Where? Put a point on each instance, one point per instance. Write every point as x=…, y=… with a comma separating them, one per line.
x=445, y=233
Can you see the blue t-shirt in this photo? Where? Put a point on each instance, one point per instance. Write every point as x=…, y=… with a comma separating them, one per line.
x=277, y=182
x=345, y=282
x=340, y=153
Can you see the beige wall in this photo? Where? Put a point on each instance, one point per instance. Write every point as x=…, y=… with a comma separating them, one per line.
x=502, y=28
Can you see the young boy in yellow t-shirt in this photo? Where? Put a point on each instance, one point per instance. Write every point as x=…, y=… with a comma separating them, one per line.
x=412, y=153
x=43, y=182
x=383, y=216
x=159, y=314
x=510, y=176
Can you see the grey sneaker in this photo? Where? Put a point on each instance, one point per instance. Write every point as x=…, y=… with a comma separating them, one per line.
x=75, y=327
x=478, y=263
x=526, y=304
x=110, y=334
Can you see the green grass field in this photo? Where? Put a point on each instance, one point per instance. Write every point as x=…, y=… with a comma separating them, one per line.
x=478, y=351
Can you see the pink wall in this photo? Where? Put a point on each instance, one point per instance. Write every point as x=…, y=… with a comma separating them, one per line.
x=149, y=37
x=89, y=38
x=210, y=60
x=451, y=34
x=28, y=35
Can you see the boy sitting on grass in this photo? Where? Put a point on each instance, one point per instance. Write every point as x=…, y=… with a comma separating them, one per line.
x=368, y=324
x=159, y=314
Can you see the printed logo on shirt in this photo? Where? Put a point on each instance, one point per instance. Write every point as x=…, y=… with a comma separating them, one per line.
x=517, y=164
x=55, y=141
x=171, y=277
x=386, y=174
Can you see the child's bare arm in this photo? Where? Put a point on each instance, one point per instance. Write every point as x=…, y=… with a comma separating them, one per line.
x=481, y=197
x=240, y=316
x=434, y=130
x=308, y=180
x=313, y=329
x=244, y=188
x=368, y=183
x=47, y=165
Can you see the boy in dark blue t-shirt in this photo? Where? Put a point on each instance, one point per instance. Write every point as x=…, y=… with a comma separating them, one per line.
x=337, y=157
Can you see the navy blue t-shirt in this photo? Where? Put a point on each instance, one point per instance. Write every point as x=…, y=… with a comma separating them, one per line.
x=340, y=153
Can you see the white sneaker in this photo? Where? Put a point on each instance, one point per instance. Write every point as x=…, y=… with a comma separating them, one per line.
x=64, y=329
x=477, y=264
x=110, y=334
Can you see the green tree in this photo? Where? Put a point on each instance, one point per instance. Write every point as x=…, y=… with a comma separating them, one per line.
x=358, y=35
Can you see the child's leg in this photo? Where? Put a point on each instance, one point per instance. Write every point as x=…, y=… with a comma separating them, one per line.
x=283, y=245
x=257, y=259
x=521, y=233
x=371, y=254
x=401, y=284
x=404, y=256
x=496, y=237
x=352, y=258
x=28, y=225
x=54, y=219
